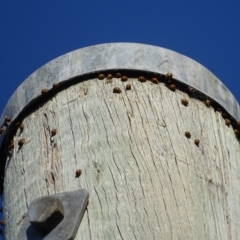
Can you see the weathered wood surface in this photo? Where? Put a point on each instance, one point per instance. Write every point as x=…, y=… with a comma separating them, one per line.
x=132, y=56
x=146, y=179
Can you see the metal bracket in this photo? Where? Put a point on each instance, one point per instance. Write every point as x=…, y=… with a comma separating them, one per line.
x=74, y=205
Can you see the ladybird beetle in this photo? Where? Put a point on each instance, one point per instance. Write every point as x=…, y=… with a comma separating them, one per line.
x=191, y=89
x=188, y=134
x=118, y=75
x=208, y=103
x=128, y=87
x=227, y=122
x=55, y=85
x=11, y=146
x=7, y=119
x=169, y=75
x=109, y=76
x=44, y=91
x=237, y=132
x=53, y=132
x=196, y=141
x=224, y=115
x=124, y=78
x=78, y=172
x=101, y=76
x=154, y=80
x=20, y=125
x=184, y=102
x=141, y=79
x=117, y=90
x=21, y=142
x=172, y=87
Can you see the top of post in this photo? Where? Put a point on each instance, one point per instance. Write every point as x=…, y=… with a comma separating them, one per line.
x=110, y=56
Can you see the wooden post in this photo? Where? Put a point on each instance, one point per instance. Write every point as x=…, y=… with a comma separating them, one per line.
x=147, y=177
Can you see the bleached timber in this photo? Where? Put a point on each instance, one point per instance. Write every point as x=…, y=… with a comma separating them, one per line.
x=145, y=178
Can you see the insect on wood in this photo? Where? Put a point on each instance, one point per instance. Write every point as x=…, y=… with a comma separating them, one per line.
x=188, y=134
x=78, y=173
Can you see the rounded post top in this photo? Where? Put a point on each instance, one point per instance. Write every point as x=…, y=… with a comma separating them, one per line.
x=129, y=56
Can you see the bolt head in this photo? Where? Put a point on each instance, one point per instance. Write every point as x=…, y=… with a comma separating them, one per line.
x=45, y=213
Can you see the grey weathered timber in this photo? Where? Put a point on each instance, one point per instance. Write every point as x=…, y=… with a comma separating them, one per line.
x=74, y=204
x=121, y=56
x=145, y=178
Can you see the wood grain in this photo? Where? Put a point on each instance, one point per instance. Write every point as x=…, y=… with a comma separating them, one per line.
x=145, y=178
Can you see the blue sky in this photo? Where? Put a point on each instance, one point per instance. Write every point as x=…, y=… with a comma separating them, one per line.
x=35, y=32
